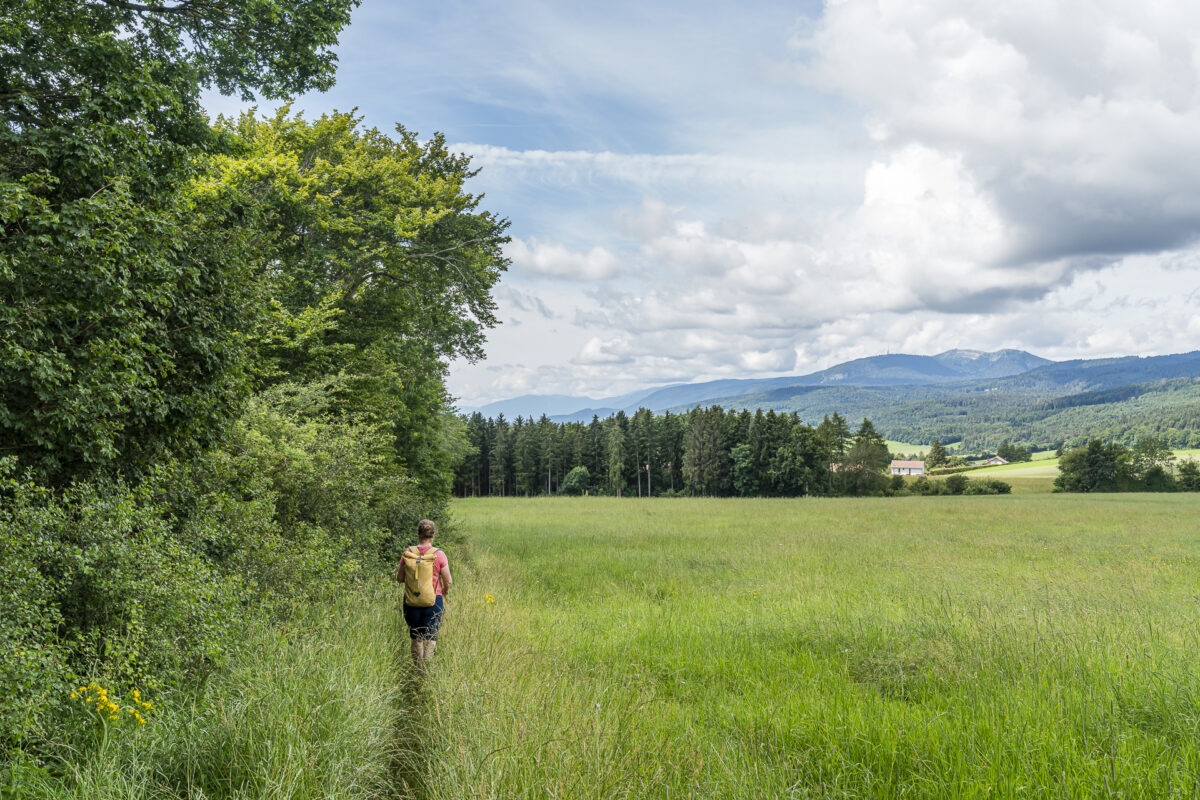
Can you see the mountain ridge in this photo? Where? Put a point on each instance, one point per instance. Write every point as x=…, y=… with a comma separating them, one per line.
x=892, y=369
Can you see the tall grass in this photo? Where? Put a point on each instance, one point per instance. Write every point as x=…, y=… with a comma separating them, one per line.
x=307, y=710
x=1024, y=646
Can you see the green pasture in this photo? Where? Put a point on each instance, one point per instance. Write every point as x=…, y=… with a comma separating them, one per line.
x=1003, y=646
x=906, y=447
x=1047, y=466
x=1043, y=468
x=1030, y=484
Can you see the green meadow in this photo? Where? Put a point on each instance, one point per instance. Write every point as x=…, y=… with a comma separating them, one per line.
x=924, y=647
x=1011, y=646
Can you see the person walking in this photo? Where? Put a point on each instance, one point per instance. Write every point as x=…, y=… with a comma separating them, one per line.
x=425, y=572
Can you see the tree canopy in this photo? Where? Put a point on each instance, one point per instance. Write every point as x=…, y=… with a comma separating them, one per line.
x=122, y=292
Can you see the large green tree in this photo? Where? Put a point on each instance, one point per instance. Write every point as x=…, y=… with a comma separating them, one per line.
x=1095, y=467
x=936, y=456
x=378, y=265
x=866, y=461
x=121, y=289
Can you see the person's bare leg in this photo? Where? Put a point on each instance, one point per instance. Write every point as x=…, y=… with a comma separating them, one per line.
x=416, y=653
x=430, y=647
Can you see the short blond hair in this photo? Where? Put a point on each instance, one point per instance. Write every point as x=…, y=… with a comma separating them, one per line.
x=425, y=530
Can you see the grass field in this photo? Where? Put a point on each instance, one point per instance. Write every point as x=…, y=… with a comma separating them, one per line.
x=1046, y=466
x=1012, y=646
x=906, y=447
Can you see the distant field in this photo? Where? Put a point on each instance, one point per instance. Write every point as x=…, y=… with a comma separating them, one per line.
x=1025, y=484
x=907, y=447
x=1044, y=468
x=1011, y=646
x=1047, y=467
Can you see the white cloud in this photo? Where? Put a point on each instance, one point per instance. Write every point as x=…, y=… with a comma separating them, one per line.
x=1080, y=120
x=553, y=260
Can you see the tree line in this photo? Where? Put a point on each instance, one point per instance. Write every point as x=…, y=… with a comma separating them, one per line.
x=224, y=343
x=703, y=452
x=1149, y=466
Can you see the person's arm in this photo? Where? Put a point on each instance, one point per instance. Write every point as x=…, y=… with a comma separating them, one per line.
x=446, y=580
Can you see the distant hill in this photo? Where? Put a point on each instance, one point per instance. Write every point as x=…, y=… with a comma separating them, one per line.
x=535, y=405
x=897, y=369
x=1069, y=401
x=1000, y=364
x=975, y=397
x=947, y=367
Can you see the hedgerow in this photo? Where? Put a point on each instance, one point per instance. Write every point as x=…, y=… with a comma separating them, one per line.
x=150, y=586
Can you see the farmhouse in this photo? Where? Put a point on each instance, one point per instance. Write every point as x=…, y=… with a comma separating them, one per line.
x=994, y=461
x=908, y=467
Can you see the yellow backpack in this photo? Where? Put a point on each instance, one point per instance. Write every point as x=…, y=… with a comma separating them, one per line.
x=418, y=577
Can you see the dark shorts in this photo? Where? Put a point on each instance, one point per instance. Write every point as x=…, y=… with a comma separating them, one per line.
x=423, y=623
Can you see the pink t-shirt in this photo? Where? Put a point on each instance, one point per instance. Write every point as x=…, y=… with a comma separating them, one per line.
x=439, y=563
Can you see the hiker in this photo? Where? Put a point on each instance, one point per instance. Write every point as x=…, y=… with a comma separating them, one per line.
x=425, y=573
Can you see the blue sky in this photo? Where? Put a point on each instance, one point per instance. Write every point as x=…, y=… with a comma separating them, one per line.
x=699, y=190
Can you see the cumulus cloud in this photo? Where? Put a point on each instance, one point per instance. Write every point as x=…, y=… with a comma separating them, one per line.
x=1080, y=121
x=614, y=350
x=553, y=260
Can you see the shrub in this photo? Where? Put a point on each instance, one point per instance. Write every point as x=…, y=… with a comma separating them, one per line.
x=986, y=486
x=956, y=484
x=1157, y=479
x=94, y=581
x=576, y=482
x=957, y=469
x=923, y=486
x=33, y=669
x=1095, y=467
x=1189, y=476
x=151, y=586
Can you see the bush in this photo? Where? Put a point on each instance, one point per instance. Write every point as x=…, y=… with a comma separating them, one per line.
x=96, y=583
x=1095, y=467
x=1157, y=479
x=986, y=486
x=576, y=482
x=1189, y=476
x=33, y=669
x=923, y=486
x=152, y=586
x=956, y=484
